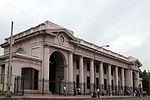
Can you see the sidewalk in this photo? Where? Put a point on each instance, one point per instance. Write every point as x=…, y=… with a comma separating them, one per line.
x=64, y=97
x=87, y=96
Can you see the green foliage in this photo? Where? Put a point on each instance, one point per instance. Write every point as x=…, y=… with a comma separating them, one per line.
x=4, y=93
x=145, y=79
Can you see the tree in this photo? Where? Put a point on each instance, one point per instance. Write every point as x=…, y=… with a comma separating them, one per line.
x=145, y=79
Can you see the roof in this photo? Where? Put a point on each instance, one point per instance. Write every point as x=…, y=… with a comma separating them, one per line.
x=52, y=27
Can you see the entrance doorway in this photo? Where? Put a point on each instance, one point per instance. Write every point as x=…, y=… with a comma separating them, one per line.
x=30, y=78
x=56, y=71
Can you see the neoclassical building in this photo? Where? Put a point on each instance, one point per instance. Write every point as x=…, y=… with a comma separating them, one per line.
x=52, y=53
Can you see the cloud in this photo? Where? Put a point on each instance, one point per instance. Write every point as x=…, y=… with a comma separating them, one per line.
x=123, y=24
x=126, y=43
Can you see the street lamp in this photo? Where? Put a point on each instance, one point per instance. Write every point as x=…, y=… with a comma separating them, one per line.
x=104, y=46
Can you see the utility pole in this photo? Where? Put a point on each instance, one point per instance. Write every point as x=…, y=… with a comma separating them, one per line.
x=9, y=72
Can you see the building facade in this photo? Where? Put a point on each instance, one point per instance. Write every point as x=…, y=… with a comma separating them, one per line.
x=52, y=53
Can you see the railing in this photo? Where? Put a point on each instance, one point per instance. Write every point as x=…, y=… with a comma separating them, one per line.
x=34, y=86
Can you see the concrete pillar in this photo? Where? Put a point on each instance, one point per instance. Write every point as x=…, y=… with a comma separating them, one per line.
x=70, y=71
x=66, y=79
x=137, y=79
x=109, y=80
x=46, y=68
x=92, y=74
x=101, y=76
x=116, y=79
x=122, y=79
x=5, y=76
x=129, y=79
x=81, y=74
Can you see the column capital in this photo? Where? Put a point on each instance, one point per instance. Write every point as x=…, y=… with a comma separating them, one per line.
x=101, y=62
x=81, y=56
x=91, y=59
x=70, y=52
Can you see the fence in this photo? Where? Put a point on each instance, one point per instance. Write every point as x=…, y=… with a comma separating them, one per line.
x=28, y=85
x=24, y=86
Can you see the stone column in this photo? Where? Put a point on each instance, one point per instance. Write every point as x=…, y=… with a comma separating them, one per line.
x=66, y=74
x=137, y=79
x=139, y=86
x=101, y=76
x=46, y=68
x=5, y=76
x=92, y=74
x=116, y=79
x=70, y=71
x=122, y=79
x=81, y=74
x=129, y=79
x=109, y=80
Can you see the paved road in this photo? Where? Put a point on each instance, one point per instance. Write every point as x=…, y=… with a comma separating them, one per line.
x=135, y=98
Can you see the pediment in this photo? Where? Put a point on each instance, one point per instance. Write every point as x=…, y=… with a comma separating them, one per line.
x=62, y=31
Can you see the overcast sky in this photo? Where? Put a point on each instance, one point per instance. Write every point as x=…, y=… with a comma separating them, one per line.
x=123, y=24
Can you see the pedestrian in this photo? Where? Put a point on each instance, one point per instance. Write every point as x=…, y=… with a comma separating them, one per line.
x=74, y=91
x=79, y=91
x=138, y=93
x=143, y=93
x=98, y=92
x=103, y=93
x=65, y=90
x=94, y=94
x=121, y=92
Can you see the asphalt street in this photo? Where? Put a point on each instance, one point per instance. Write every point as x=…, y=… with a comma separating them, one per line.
x=135, y=98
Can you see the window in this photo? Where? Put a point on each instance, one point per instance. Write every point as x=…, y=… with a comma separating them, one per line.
x=105, y=70
x=105, y=84
x=97, y=69
x=97, y=82
x=112, y=86
x=112, y=71
x=77, y=64
x=88, y=66
x=61, y=39
x=2, y=74
x=88, y=82
x=77, y=81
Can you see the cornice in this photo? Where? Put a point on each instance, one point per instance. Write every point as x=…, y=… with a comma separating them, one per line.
x=21, y=56
x=104, y=54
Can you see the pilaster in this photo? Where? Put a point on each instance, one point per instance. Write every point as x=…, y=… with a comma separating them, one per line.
x=46, y=68
x=70, y=71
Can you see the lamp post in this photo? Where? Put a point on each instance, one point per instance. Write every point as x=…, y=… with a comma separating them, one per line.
x=104, y=46
x=94, y=64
